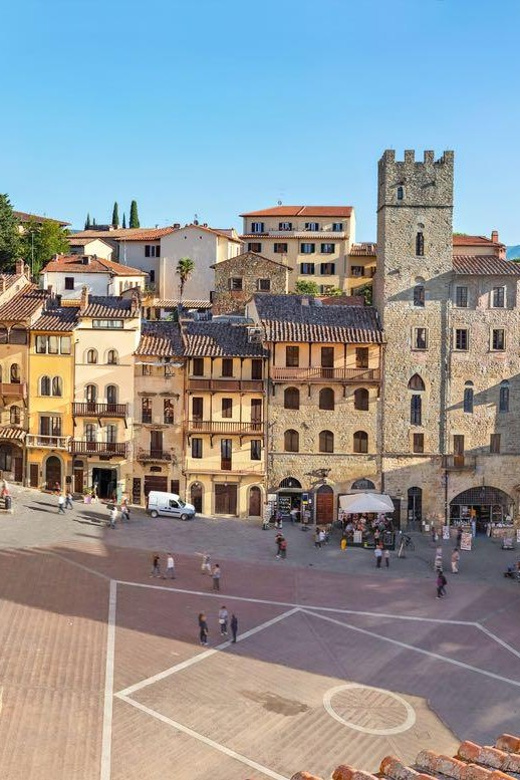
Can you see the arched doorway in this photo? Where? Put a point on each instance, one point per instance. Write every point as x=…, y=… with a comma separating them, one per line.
x=289, y=496
x=11, y=462
x=483, y=504
x=196, y=496
x=414, y=508
x=53, y=473
x=324, y=505
x=255, y=502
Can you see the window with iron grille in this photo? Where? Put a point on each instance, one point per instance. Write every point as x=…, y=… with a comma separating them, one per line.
x=461, y=297
x=419, y=244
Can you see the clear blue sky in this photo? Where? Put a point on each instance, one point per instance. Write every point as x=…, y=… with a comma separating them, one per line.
x=220, y=107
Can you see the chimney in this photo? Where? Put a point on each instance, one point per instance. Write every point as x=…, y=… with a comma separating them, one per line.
x=19, y=266
x=176, y=225
x=83, y=301
x=494, y=236
x=135, y=302
x=305, y=300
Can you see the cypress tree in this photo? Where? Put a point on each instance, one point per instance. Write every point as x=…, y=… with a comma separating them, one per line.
x=87, y=222
x=124, y=221
x=115, y=215
x=94, y=223
x=134, y=217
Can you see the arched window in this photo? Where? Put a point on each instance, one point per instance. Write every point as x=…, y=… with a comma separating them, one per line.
x=57, y=385
x=92, y=356
x=418, y=295
x=361, y=399
x=111, y=391
x=326, y=441
x=291, y=398
x=363, y=484
x=416, y=410
x=45, y=385
x=361, y=441
x=503, y=405
x=468, y=397
x=419, y=244
x=291, y=441
x=326, y=399
x=91, y=394
x=15, y=373
x=90, y=432
x=400, y=193
x=112, y=358
x=416, y=383
x=14, y=414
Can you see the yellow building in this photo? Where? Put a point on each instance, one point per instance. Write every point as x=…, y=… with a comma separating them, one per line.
x=225, y=413
x=159, y=412
x=361, y=267
x=51, y=392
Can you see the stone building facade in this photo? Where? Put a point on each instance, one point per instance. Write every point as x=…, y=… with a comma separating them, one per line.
x=240, y=277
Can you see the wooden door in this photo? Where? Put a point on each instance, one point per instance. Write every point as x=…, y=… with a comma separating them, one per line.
x=197, y=409
x=136, y=490
x=256, y=413
x=226, y=449
x=33, y=475
x=53, y=473
x=196, y=496
x=324, y=505
x=327, y=362
x=155, y=483
x=78, y=480
x=18, y=468
x=458, y=450
x=255, y=502
x=225, y=499
x=156, y=443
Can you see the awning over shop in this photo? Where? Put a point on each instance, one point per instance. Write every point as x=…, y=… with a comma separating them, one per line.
x=366, y=502
x=12, y=433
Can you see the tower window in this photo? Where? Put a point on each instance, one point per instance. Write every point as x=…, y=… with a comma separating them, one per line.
x=418, y=295
x=400, y=193
x=468, y=398
x=416, y=410
x=419, y=244
x=503, y=404
x=498, y=339
x=420, y=338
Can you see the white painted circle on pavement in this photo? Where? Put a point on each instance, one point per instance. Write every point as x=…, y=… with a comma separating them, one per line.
x=369, y=710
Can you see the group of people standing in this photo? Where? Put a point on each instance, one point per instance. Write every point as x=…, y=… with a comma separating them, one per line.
x=223, y=620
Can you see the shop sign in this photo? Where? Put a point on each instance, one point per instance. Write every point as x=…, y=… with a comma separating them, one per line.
x=465, y=542
x=358, y=537
x=445, y=532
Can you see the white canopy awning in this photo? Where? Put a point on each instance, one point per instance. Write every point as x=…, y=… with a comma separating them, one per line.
x=366, y=502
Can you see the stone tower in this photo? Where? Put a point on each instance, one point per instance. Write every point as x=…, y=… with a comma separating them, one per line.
x=412, y=290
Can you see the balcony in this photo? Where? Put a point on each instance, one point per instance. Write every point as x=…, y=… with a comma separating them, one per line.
x=459, y=462
x=226, y=385
x=47, y=442
x=92, y=409
x=13, y=390
x=346, y=375
x=225, y=426
x=153, y=455
x=237, y=469
x=105, y=449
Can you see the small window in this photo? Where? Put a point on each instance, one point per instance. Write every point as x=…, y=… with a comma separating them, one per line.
x=307, y=249
x=418, y=442
x=419, y=244
x=357, y=270
x=461, y=297
x=307, y=269
x=92, y=356
x=400, y=193
x=256, y=369
x=198, y=366
x=280, y=248
x=416, y=410
x=462, y=339
x=292, y=357
x=326, y=441
x=227, y=408
x=254, y=246
x=146, y=369
x=494, y=444
x=420, y=338
x=326, y=399
x=361, y=399
x=14, y=415
x=503, y=404
x=146, y=410
x=257, y=227
x=263, y=285
x=91, y=393
x=111, y=392
x=57, y=386
x=498, y=297
x=418, y=295
x=69, y=282
x=45, y=385
x=284, y=226
x=41, y=344
x=235, y=283
x=291, y=398
x=328, y=269
x=328, y=249
x=313, y=226
x=107, y=324
x=65, y=345
x=360, y=442
x=361, y=357
x=291, y=441
x=53, y=345
x=256, y=449
x=196, y=448
x=112, y=357
x=227, y=367
x=168, y=411
x=15, y=373
x=416, y=383
x=337, y=227
x=498, y=339
x=90, y=432
x=468, y=398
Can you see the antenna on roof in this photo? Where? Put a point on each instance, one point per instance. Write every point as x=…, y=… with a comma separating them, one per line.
x=196, y=219
x=279, y=202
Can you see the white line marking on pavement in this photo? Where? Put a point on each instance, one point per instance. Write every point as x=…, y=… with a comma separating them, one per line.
x=499, y=641
x=206, y=740
x=106, y=747
x=79, y=565
x=407, y=723
x=300, y=606
x=202, y=656
x=420, y=650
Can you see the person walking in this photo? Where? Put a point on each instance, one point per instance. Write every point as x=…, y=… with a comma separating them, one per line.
x=378, y=552
x=206, y=564
x=216, y=577
x=278, y=539
x=283, y=548
x=317, y=539
x=170, y=567
x=223, y=617
x=234, y=628
x=113, y=516
x=156, y=566
x=441, y=584
x=455, y=558
x=68, y=500
x=203, y=629
x=322, y=537
x=61, y=504
x=386, y=556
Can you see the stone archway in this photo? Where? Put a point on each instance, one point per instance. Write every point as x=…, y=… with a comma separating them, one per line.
x=484, y=504
x=196, y=494
x=255, y=501
x=53, y=473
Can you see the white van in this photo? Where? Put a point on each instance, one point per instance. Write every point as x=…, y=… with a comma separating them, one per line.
x=169, y=504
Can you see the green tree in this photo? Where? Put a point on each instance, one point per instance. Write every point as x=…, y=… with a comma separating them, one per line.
x=115, y=215
x=366, y=292
x=41, y=241
x=124, y=221
x=332, y=291
x=307, y=288
x=184, y=270
x=10, y=245
x=134, y=216
x=87, y=222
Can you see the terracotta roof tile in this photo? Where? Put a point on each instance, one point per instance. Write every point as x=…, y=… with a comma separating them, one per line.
x=58, y=319
x=172, y=303
x=24, y=304
x=246, y=256
x=461, y=239
x=127, y=234
x=104, y=306
x=215, y=339
x=24, y=216
x=95, y=265
x=76, y=240
x=10, y=279
x=302, y=211
x=160, y=339
x=289, y=318
x=485, y=265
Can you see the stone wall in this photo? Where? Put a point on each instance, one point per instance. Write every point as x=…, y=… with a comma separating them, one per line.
x=250, y=268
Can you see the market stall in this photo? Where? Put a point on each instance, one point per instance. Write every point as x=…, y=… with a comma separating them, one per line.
x=364, y=519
